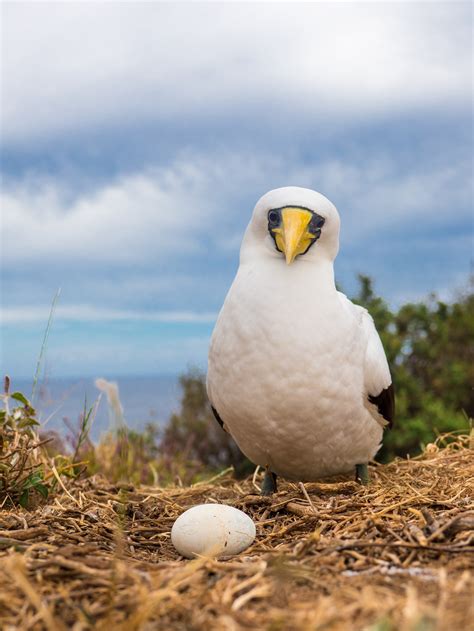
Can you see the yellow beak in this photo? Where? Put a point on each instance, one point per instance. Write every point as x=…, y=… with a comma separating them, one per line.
x=292, y=237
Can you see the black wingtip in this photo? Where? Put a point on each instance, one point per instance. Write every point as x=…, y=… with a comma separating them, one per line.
x=218, y=418
x=385, y=402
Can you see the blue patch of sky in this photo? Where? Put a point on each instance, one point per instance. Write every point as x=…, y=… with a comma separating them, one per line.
x=93, y=155
x=111, y=348
x=407, y=259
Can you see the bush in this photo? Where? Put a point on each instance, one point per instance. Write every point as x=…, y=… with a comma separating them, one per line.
x=429, y=347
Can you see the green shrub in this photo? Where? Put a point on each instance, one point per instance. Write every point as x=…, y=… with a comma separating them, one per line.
x=429, y=347
x=23, y=468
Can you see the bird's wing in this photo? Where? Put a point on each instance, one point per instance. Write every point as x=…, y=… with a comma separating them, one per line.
x=218, y=418
x=214, y=411
x=377, y=378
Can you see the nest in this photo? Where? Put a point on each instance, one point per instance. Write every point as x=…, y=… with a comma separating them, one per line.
x=396, y=554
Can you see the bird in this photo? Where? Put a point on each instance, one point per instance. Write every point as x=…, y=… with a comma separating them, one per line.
x=297, y=373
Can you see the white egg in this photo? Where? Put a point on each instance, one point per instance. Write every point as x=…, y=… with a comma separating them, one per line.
x=213, y=530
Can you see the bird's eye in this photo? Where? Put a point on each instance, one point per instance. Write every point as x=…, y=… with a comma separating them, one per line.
x=273, y=217
x=317, y=222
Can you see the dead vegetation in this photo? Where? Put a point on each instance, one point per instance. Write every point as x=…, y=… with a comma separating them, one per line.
x=395, y=555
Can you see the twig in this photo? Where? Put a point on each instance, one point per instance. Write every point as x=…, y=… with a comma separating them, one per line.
x=394, y=544
x=466, y=519
x=16, y=568
x=58, y=478
x=305, y=493
x=254, y=478
x=214, y=478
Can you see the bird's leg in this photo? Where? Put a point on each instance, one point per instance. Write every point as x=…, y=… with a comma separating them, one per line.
x=362, y=474
x=269, y=484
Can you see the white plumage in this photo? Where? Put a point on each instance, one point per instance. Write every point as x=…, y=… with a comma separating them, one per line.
x=292, y=361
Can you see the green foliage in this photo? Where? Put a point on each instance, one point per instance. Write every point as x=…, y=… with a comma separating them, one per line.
x=31, y=463
x=22, y=466
x=34, y=482
x=429, y=346
x=83, y=449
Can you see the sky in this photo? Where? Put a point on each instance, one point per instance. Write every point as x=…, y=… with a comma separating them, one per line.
x=136, y=139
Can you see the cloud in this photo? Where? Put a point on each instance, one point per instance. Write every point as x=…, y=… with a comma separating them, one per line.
x=70, y=66
x=92, y=313
x=133, y=218
x=138, y=136
x=379, y=197
x=163, y=219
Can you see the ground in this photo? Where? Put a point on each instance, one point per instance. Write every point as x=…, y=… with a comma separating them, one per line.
x=397, y=554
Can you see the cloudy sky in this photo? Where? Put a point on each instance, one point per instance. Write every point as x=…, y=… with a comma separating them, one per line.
x=137, y=137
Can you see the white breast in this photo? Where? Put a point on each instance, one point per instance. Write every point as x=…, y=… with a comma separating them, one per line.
x=286, y=374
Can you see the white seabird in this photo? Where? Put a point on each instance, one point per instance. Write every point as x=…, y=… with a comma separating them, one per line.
x=297, y=373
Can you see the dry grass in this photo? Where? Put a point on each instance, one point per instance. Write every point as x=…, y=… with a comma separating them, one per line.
x=395, y=555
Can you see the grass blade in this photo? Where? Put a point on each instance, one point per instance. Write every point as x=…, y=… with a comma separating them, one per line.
x=45, y=340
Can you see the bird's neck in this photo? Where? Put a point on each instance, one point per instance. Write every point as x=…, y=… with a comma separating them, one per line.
x=323, y=272
x=301, y=275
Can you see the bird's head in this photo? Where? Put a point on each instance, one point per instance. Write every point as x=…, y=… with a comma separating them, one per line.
x=293, y=223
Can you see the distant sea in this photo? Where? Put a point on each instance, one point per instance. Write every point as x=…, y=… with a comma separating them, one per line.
x=144, y=400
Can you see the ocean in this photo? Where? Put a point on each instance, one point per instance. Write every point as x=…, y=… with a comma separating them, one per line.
x=61, y=401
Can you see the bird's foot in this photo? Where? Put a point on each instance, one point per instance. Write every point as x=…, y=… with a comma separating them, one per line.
x=269, y=484
x=362, y=474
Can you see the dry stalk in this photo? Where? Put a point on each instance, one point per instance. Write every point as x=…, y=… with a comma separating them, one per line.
x=397, y=554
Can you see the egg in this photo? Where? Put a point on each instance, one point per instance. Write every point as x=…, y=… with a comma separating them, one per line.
x=212, y=530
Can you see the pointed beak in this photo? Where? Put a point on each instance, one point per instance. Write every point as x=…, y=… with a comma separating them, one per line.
x=293, y=232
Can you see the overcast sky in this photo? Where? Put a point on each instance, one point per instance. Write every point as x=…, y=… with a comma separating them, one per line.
x=137, y=137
